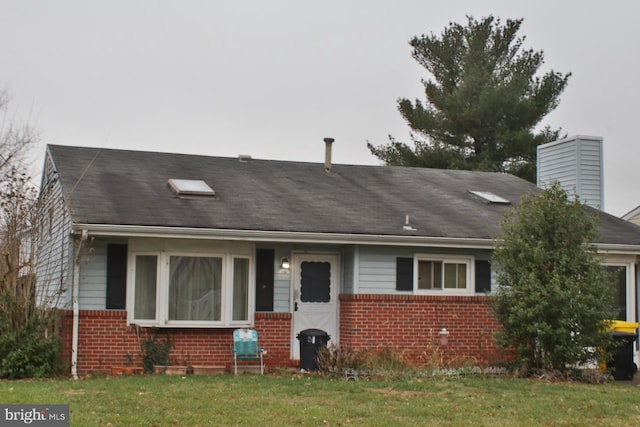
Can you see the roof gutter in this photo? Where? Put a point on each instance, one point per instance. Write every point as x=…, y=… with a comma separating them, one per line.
x=613, y=249
x=311, y=237
x=283, y=236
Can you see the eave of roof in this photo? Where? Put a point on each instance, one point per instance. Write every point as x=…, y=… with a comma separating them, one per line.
x=280, y=236
x=324, y=238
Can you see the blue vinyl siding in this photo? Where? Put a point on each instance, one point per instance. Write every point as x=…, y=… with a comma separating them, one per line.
x=348, y=262
x=92, y=294
x=377, y=269
x=54, y=256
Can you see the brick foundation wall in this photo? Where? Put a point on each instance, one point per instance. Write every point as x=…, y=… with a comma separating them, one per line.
x=409, y=326
x=274, y=332
x=406, y=324
x=105, y=340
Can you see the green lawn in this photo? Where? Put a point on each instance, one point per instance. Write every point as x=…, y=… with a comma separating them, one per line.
x=293, y=399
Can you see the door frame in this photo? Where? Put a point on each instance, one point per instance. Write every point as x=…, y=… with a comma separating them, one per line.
x=335, y=259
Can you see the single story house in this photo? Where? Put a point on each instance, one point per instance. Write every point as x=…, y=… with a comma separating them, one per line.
x=138, y=244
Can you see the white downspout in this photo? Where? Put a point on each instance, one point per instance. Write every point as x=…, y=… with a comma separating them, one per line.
x=76, y=306
x=356, y=270
x=634, y=310
x=76, y=319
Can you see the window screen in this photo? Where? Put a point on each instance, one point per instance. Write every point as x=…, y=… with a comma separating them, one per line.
x=315, y=283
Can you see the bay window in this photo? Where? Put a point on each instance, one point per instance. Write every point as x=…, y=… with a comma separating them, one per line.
x=195, y=287
x=176, y=289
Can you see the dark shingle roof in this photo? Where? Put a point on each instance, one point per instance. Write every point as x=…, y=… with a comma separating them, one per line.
x=123, y=187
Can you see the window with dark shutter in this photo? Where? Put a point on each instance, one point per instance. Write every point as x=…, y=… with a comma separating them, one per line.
x=264, y=279
x=404, y=274
x=483, y=276
x=116, y=276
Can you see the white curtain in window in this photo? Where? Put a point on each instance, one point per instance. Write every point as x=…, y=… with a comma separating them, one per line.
x=240, y=289
x=195, y=285
x=145, y=287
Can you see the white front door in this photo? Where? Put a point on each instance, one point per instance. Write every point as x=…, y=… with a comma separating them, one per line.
x=315, y=296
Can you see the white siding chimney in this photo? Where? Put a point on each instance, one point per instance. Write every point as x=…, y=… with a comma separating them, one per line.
x=576, y=164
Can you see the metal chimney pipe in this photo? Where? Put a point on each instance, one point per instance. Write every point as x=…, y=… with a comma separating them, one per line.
x=327, y=154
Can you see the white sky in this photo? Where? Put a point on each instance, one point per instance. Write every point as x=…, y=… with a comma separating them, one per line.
x=272, y=78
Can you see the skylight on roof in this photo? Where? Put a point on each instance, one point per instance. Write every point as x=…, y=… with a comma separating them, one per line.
x=490, y=197
x=191, y=187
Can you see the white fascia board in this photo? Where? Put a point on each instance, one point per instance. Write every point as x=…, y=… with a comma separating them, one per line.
x=307, y=237
x=282, y=236
x=608, y=248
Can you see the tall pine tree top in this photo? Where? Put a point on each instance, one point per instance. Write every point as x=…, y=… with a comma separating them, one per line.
x=483, y=103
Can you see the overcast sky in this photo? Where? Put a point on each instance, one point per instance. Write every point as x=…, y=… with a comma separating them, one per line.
x=272, y=78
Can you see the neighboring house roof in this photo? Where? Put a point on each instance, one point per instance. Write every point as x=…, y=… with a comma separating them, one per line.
x=633, y=216
x=130, y=188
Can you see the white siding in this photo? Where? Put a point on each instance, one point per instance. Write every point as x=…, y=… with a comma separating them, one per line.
x=576, y=163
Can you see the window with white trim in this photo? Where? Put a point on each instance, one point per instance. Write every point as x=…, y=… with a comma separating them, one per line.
x=430, y=279
x=185, y=289
x=443, y=274
x=618, y=273
x=145, y=287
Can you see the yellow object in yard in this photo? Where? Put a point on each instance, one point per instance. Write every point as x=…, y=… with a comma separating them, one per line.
x=623, y=326
x=625, y=333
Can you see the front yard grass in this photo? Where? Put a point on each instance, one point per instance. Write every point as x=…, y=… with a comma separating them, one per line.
x=309, y=400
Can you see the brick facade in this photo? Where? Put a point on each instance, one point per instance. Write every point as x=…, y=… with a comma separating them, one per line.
x=105, y=340
x=406, y=324
x=409, y=325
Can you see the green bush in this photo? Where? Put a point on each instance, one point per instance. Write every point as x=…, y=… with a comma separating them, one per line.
x=155, y=351
x=27, y=355
x=554, y=297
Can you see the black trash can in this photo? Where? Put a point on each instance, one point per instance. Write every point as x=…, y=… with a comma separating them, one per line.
x=623, y=366
x=311, y=341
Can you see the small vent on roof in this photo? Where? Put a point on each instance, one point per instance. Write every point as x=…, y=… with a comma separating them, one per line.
x=191, y=187
x=244, y=158
x=407, y=224
x=490, y=197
